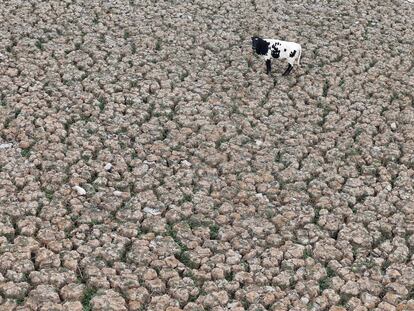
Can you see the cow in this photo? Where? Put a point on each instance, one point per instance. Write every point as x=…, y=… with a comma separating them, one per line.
x=272, y=48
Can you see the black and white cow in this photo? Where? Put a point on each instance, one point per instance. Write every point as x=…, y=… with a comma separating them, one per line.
x=271, y=48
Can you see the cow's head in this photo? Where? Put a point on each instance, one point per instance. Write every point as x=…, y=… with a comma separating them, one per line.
x=260, y=46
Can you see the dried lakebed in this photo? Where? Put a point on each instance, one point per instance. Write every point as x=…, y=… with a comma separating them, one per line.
x=147, y=162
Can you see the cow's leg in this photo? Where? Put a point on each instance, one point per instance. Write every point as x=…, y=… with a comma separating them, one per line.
x=268, y=66
x=288, y=70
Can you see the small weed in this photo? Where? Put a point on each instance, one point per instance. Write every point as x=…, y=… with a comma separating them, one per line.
x=292, y=283
x=358, y=132
x=411, y=294
x=17, y=112
x=183, y=75
x=20, y=301
x=49, y=194
x=330, y=272
x=245, y=265
x=3, y=102
x=220, y=141
x=214, y=229
x=316, y=217
x=133, y=48
x=229, y=276
x=354, y=152
x=164, y=134
x=338, y=58
x=129, y=101
x=245, y=303
x=394, y=96
x=25, y=152
x=39, y=45
x=133, y=83
x=193, y=298
x=126, y=34
x=324, y=283
x=88, y=294
x=344, y=300
x=125, y=252
x=325, y=88
x=186, y=198
x=385, y=265
x=307, y=253
x=101, y=103
x=158, y=45
x=235, y=109
x=78, y=45
x=204, y=97
x=195, y=223
x=67, y=82
x=182, y=256
x=185, y=259
x=372, y=63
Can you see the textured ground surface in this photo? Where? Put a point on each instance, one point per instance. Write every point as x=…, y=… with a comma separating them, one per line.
x=226, y=189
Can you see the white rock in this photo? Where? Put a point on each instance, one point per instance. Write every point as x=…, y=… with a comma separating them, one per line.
x=259, y=142
x=186, y=163
x=6, y=146
x=117, y=193
x=79, y=190
x=108, y=167
x=152, y=211
x=262, y=197
x=393, y=126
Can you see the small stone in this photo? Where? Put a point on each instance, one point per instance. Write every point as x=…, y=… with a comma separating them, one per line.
x=217, y=274
x=109, y=300
x=79, y=190
x=72, y=291
x=6, y=146
x=72, y=306
x=385, y=306
x=108, y=167
x=152, y=211
x=369, y=300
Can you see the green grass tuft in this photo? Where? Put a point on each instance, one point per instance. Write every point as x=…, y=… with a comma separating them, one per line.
x=214, y=229
x=101, y=103
x=25, y=152
x=88, y=294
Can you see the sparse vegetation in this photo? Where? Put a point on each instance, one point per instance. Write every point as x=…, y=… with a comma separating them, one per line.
x=148, y=162
x=88, y=294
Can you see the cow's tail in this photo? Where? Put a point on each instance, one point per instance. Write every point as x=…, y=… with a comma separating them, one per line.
x=300, y=53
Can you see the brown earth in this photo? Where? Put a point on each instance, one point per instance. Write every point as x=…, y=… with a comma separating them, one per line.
x=147, y=162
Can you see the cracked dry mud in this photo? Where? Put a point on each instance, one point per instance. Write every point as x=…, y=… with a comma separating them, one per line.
x=147, y=162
